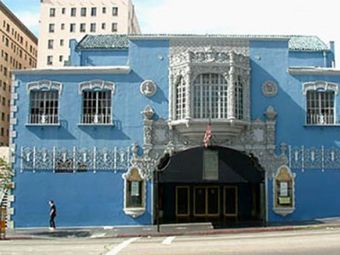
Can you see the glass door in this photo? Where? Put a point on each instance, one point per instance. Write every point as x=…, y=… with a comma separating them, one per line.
x=230, y=201
x=206, y=201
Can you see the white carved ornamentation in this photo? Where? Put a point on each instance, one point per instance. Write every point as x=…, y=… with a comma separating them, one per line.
x=44, y=85
x=320, y=85
x=269, y=88
x=97, y=85
x=148, y=88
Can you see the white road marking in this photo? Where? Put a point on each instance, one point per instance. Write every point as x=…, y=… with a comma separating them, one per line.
x=121, y=246
x=168, y=240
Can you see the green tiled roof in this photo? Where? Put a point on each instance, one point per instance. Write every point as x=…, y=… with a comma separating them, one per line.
x=104, y=42
x=296, y=42
x=307, y=43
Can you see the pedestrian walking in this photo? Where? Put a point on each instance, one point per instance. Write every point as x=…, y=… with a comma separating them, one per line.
x=53, y=214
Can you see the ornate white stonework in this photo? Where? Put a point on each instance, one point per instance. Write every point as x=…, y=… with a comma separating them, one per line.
x=44, y=85
x=97, y=84
x=323, y=85
x=148, y=88
x=269, y=88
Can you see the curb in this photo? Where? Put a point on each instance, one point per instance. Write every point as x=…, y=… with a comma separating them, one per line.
x=193, y=233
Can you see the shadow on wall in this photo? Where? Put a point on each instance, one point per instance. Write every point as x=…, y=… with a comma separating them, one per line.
x=52, y=132
x=113, y=132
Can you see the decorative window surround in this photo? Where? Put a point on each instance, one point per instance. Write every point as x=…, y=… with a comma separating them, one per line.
x=320, y=102
x=134, y=177
x=190, y=64
x=320, y=85
x=100, y=92
x=44, y=85
x=97, y=85
x=284, y=191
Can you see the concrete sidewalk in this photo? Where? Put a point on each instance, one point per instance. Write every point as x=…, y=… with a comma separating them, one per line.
x=165, y=230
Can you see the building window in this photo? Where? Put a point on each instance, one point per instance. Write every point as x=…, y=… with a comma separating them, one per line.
x=210, y=96
x=50, y=44
x=180, y=98
x=93, y=27
x=72, y=27
x=62, y=26
x=61, y=42
x=52, y=12
x=49, y=60
x=97, y=107
x=114, y=11
x=73, y=12
x=82, y=27
x=51, y=28
x=61, y=58
x=320, y=102
x=63, y=10
x=320, y=107
x=103, y=26
x=114, y=27
x=104, y=10
x=44, y=107
x=93, y=11
x=83, y=11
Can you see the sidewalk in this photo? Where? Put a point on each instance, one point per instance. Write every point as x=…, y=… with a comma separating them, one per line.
x=165, y=230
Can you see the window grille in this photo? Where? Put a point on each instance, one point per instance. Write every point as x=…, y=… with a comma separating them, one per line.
x=320, y=107
x=96, y=107
x=44, y=107
x=210, y=96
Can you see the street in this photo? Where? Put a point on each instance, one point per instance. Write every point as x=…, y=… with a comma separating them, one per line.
x=324, y=241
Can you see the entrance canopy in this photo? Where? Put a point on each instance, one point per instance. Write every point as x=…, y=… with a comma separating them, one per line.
x=214, y=165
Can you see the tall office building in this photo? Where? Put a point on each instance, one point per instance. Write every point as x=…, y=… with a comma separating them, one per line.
x=62, y=20
x=18, y=49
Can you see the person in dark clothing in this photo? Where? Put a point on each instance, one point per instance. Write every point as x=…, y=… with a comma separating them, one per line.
x=53, y=214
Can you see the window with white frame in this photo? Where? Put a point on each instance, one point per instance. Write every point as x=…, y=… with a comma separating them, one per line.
x=44, y=107
x=320, y=102
x=210, y=96
x=180, y=99
x=320, y=107
x=96, y=107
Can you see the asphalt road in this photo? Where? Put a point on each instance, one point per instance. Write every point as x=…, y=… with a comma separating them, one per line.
x=318, y=242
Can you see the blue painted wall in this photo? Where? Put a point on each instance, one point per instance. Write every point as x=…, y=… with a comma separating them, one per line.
x=104, y=57
x=311, y=58
x=86, y=198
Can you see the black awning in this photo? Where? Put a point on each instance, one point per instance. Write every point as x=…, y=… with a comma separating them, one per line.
x=233, y=167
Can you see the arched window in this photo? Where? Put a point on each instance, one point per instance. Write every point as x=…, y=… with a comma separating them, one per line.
x=180, y=98
x=210, y=96
x=239, y=98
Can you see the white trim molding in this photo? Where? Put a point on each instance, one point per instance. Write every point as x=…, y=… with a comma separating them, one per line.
x=134, y=212
x=97, y=85
x=320, y=85
x=44, y=85
x=78, y=70
x=284, y=174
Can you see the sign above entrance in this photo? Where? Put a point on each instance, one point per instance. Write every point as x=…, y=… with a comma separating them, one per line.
x=210, y=165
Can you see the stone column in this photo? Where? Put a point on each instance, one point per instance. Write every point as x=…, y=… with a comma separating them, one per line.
x=231, y=87
x=188, y=102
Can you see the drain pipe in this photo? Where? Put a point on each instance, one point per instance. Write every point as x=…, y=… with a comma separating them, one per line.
x=332, y=48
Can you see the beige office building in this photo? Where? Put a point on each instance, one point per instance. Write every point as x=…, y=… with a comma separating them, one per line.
x=62, y=20
x=18, y=49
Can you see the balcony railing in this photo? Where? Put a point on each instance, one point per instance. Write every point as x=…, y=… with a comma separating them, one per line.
x=43, y=119
x=320, y=119
x=96, y=119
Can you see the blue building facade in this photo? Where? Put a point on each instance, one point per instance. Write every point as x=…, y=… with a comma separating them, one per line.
x=90, y=135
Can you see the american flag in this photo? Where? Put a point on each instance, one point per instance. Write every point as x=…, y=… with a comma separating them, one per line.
x=207, y=135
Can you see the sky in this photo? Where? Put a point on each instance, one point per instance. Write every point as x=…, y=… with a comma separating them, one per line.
x=264, y=17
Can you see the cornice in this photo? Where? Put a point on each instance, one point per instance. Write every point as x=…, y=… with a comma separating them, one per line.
x=313, y=71
x=77, y=70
